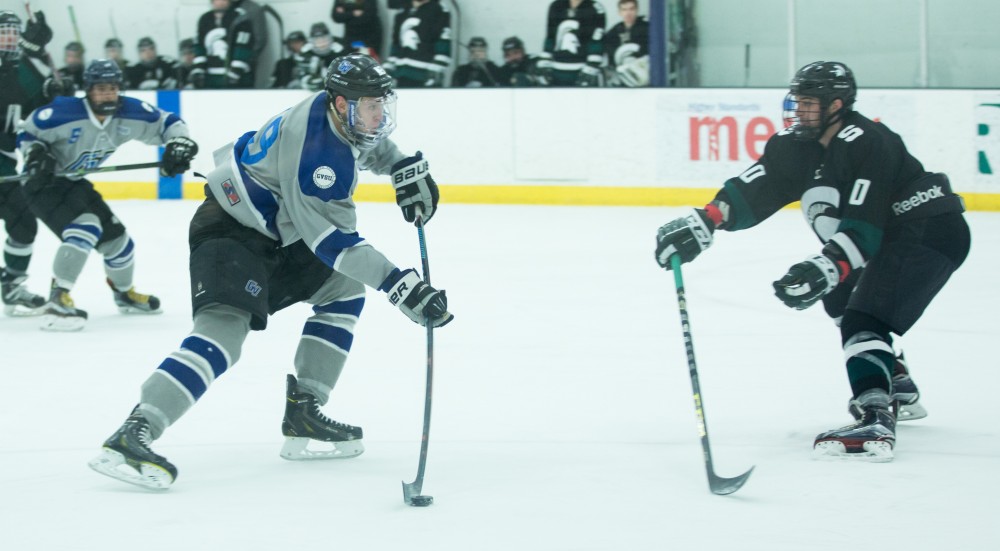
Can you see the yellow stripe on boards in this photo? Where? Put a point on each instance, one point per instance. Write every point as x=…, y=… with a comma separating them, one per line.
x=517, y=195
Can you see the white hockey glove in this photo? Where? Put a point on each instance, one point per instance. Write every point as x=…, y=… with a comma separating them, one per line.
x=808, y=281
x=418, y=300
x=415, y=188
x=685, y=237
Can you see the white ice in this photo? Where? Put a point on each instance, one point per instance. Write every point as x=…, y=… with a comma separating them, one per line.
x=563, y=415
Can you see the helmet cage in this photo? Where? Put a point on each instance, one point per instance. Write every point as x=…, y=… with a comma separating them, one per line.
x=10, y=35
x=368, y=120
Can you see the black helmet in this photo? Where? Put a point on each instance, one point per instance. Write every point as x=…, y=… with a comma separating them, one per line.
x=113, y=43
x=146, y=42
x=186, y=46
x=319, y=29
x=74, y=47
x=295, y=36
x=10, y=31
x=357, y=76
x=360, y=80
x=826, y=81
x=102, y=71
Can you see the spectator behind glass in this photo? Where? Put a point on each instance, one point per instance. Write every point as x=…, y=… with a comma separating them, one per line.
x=185, y=54
x=224, y=49
x=153, y=72
x=573, y=47
x=73, y=64
x=258, y=22
x=362, y=26
x=322, y=50
x=627, y=47
x=479, y=72
x=113, y=51
x=519, y=69
x=289, y=70
x=421, y=45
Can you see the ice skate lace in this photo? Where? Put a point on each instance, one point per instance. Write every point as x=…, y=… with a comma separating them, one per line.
x=142, y=432
x=324, y=419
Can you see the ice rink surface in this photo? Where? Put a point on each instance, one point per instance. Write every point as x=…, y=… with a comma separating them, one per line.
x=563, y=415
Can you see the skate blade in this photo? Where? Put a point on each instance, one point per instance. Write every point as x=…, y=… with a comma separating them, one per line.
x=133, y=311
x=910, y=412
x=297, y=449
x=21, y=311
x=873, y=451
x=111, y=463
x=52, y=322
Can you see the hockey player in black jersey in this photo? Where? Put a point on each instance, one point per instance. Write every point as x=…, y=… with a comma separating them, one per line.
x=153, y=71
x=573, y=50
x=892, y=235
x=626, y=47
x=420, y=52
x=224, y=50
x=26, y=83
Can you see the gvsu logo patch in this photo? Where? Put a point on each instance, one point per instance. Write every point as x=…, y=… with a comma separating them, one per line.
x=253, y=287
x=230, y=190
x=324, y=177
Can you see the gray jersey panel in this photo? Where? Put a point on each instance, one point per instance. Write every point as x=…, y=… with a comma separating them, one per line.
x=78, y=141
x=295, y=179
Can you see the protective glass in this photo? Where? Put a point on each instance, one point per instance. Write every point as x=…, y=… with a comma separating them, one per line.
x=9, y=34
x=370, y=120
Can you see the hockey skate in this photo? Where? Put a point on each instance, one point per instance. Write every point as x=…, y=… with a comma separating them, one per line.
x=17, y=300
x=131, y=302
x=60, y=314
x=126, y=456
x=905, y=395
x=870, y=438
x=305, y=423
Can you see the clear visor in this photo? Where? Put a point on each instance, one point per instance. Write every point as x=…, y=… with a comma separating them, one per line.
x=322, y=43
x=8, y=41
x=803, y=115
x=370, y=120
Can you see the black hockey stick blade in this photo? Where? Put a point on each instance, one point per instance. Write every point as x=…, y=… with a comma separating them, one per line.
x=717, y=484
x=725, y=486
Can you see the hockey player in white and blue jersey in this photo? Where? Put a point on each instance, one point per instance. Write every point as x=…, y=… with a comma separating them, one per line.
x=279, y=227
x=71, y=134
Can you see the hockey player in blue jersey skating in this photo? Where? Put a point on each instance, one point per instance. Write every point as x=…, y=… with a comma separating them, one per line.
x=73, y=134
x=893, y=234
x=278, y=227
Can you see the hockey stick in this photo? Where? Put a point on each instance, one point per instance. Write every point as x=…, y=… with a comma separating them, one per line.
x=717, y=484
x=411, y=490
x=76, y=28
x=117, y=168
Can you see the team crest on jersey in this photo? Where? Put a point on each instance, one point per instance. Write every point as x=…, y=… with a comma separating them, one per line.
x=230, y=190
x=324, y=177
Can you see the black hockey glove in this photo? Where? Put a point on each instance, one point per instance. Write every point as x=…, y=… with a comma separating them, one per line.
x=177, y=156
x=39, y=165
x=808, y=281
x=415, y=189
x=36, y=35
x=418, y=300
x=685, y=237
x=58, y=86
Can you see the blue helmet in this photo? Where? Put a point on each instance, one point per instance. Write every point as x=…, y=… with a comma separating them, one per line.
x=101, y=71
